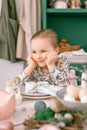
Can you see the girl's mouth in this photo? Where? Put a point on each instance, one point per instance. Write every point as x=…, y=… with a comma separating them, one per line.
x=41, y=61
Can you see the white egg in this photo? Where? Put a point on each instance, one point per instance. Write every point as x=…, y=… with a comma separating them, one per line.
x=83, y=99
x=68, y=116
x=61, y=124
x=58, y=116
x=69, y=98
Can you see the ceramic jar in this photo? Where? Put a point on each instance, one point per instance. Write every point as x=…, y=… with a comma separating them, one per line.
x=60, y=4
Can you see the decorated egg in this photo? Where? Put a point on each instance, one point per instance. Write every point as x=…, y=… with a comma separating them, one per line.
x=6, y=125
x=68, y=116
x=49, y=127
x=58, y=116
x=7, y=104
x=39, y=105
x=73, y=91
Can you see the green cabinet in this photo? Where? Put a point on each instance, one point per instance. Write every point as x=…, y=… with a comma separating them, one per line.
x=68, y=23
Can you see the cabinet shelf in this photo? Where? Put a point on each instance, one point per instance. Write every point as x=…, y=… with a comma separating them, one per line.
x=64, y=11
x=68, y=23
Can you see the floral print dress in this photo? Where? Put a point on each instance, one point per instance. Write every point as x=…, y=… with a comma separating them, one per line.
x=59, y=76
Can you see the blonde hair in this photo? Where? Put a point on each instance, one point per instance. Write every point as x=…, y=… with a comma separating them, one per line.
x=49, y=34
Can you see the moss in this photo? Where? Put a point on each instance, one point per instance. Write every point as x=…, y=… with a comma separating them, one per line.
x=67, y=122
x=54, y=119
x=44, y=114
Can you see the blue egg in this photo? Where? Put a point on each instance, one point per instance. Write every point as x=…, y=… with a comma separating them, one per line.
x=39, y=105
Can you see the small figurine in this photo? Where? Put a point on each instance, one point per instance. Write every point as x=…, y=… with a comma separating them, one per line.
x=74, y=4
x=84, y=79
x=10, y=89
x=51, y=3
x=9, y=86
x=73, y=76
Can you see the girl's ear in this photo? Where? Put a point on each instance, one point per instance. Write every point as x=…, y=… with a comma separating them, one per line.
x=57, y=50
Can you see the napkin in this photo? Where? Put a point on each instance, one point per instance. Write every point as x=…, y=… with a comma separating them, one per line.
x=48, y=89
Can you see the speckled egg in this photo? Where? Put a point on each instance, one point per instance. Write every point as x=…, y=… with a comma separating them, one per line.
x=39, y=105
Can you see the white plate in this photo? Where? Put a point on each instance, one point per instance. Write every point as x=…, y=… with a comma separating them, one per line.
x=35, y=96
x=38, y=97
x=74, y=105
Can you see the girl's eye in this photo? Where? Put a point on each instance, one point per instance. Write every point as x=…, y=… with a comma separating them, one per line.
x=33, y=52
x=43, y=51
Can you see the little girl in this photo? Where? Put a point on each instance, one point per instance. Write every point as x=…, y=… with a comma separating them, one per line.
x=43, y=62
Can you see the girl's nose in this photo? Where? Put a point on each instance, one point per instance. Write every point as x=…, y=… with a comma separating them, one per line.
x=38, y=55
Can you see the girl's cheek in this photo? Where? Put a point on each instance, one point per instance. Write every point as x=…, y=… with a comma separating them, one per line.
x=46, y=54
x=34, y=57
x=45, y=57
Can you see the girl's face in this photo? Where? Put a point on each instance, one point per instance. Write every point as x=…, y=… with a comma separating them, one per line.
x=40, y=48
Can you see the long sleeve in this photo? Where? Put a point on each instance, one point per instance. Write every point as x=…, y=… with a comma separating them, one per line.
x=60, y=73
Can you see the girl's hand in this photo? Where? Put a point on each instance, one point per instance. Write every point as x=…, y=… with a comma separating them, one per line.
x=31, y=66
x=31, y=61
x=51, y=60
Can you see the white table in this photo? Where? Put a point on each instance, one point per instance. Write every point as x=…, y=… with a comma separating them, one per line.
x=26, y=108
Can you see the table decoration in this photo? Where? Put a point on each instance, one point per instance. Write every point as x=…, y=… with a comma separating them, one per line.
x=39, y=105
x=47, y=116
x=39, y=90
x=6, y=125
x=74, y=105
x=7, y=104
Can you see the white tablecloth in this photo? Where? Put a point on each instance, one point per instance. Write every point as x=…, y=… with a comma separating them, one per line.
x=26, y=108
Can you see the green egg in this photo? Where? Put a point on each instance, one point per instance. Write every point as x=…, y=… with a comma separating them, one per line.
x=39, y=105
